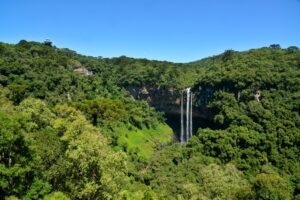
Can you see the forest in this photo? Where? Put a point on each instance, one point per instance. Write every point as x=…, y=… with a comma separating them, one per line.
x=70, y=129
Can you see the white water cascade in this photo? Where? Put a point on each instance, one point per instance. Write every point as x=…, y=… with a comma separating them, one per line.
x=187, y=127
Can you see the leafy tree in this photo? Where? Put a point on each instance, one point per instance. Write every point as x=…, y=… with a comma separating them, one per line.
x=15, y=171
x=93, y=169
x=269, y=186
x=275, y=46
x=55, y=196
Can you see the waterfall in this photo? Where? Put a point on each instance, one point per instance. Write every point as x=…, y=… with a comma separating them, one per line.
x=187, y=110
x=181, y=120
x=187, y=131
x=191, y=116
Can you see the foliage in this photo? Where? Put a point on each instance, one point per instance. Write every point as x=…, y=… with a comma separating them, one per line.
x=65, y=135
x=269, y=186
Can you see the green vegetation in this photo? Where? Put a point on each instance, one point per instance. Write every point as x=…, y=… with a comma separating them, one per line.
x=69, y=135
x=144, y=141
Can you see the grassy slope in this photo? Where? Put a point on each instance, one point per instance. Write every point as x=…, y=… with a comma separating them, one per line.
x=144, y=141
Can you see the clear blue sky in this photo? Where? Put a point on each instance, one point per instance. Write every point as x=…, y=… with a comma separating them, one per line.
x=174, y=30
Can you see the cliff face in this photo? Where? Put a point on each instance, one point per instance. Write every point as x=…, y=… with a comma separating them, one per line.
x=163, y=99
x=167, y=100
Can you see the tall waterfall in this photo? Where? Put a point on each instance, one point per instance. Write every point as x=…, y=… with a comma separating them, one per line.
x=187, y=127
x=181, y=125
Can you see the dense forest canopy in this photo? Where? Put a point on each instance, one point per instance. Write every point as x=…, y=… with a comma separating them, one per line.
x=69, y=129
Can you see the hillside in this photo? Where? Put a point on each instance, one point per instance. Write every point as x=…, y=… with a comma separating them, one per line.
x=81, y=127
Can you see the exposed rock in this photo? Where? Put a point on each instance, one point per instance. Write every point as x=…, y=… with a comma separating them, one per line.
x=145, y=91
x=69, y=97
x=149, y=99
x=238, y=95
x=163, y=99
x=257, y=96
x=84, y=71
x=177, y=101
